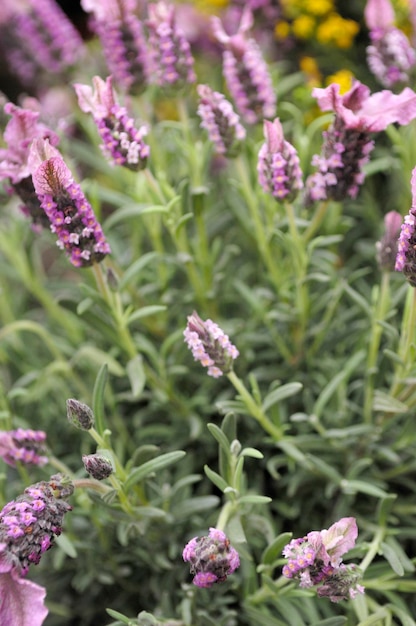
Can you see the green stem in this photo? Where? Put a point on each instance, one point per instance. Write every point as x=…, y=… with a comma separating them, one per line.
x=316, y=221
x=373, y=550
x=254, y=409
x=225, y=514
x=406, y=342
x=379, y=315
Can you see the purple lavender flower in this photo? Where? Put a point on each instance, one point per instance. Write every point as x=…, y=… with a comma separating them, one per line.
x=316, y=560
x=245, y=71
x=15, y=591
x=220, y=121
x=44, y=39
x=122, y=142
x=390, y=56
x=172, y=62
x=210, y=345
x=406, y=253
x=29, y=524
x=23, y=446
x=347, y=142
x=278, y=164
x=21, y=130
x=98, y=466
x=212, y=558
x=69, y=212
x=124, y=45
x=387, y=247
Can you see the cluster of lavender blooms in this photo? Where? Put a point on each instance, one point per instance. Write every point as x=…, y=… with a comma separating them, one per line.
x=246, y=72
x=23, y=445
x=28, y=526
x=122, y=39
x=220, y=121
x=212, y=558
x=315, y=561
x=390, y=56
x=406, y=252
x=37, y=37
x=122, y=142
x=170, y=53
x=347, y=142
x=21, y=130
x=210, y=345
x=278, y=166
x=69, y=212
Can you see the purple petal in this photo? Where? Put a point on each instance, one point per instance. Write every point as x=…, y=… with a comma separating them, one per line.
x=379, y=14
x=340, y=538
x=21, y=600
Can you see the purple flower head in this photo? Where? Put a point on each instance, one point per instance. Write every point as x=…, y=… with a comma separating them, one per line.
x=220, y=121
x=41, y=39
x=22, y=601
x=278, y=167
x=347, y=142
x=387, y=247
x=390, y=55
x=23, y=446
x=79, y=414
x=315, y=560
x=27, y=529
x=210, y=345
x=21, y=130
x=97, y=466
x=124, y=45
x=406, y=252
x=70, y=214
x=122, y=142
x=212, y=558
x=246, y=72
x=171, y=58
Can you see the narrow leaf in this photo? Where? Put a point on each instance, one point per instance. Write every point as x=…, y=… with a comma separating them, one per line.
x=154, y=465
x=98, y=398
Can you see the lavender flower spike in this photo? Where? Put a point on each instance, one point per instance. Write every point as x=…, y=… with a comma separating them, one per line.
x=316, y=561
x=172, y=62
x=122, y=142
x=278, y=164
x=212, y=558
x=21, y=130
x=245, y=71
x=406, y=253
x=69, y=212
x=210, y=345
x=23, y=446
x=220, y=121
x=347, y=142
x=390, y=56
x=124, y=45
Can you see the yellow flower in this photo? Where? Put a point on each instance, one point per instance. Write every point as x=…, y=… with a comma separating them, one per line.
x=337, y=31
x=344, y=78
x=310, y=68
x=318, y=7
x=282, y=30
x=303, y=27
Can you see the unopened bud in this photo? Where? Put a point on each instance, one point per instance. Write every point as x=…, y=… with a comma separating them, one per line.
x=79, y=414
x=97, y=466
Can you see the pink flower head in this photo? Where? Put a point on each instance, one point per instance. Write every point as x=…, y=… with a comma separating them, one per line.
x=22, y=601
x=212, y=558
x=278, y=167
x=24, y=446
x=364, y=112
x=245, y=71
x=379, y=14
x=406, y=252
x=336, y=541
x=122, y=142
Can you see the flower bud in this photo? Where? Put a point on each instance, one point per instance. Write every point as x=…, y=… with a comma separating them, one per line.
x=79, y=414
x=97, y=466
x=212, y=558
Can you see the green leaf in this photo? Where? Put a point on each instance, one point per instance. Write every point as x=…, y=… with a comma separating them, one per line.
x=387, y=404
x=145, y=312
x=384, y=509
x=332, y=621
x=215, y=478
x=252, y=452
x=393, y=559
x=285, y=391
x=217, y=433
x=136, y=374
x=98, y=398
x=132, y=211
x=254, y=499
x=154, y=465
x=274, y=550
x=354, y=486
x=132, y=273
x=66, y=545
x=119, y=616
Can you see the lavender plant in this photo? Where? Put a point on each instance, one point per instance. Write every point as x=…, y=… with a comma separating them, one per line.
x=274, y=485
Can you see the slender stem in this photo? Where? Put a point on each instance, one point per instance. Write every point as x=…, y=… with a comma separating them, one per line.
x=225, y=514
x=254, y=409
x=316, y=221
x=373, y=549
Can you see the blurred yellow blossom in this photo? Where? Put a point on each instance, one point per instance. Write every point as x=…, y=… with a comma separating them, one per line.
x=318, y=7
x=303, y=26
x=310, y=68
x=337, y=31
x=282, y=30
x=344, y=79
